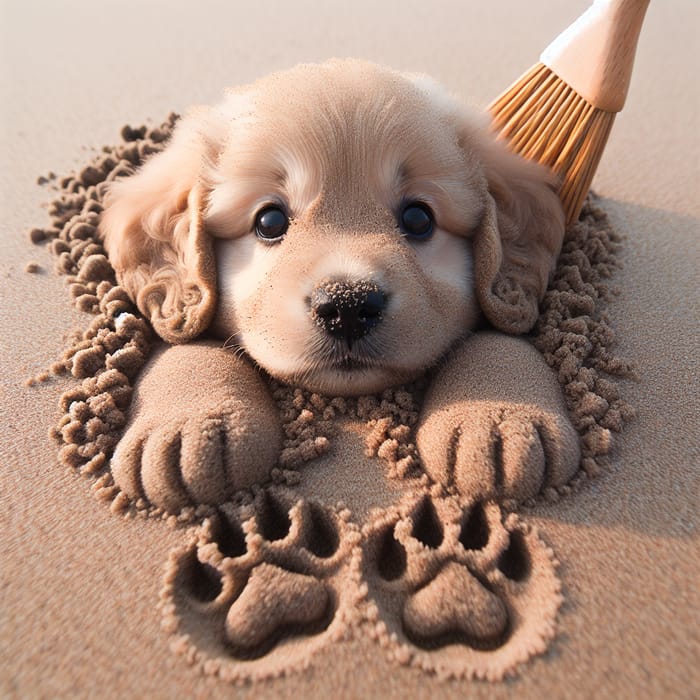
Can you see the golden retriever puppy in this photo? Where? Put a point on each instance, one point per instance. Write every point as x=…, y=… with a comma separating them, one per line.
x=346, y=227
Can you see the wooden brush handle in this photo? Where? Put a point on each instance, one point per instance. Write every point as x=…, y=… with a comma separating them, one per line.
x=595, y=54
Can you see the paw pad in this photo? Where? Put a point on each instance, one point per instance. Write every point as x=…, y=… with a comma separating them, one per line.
x=475, y=614
x=255, y=621
x=457, y=589
x=264, y=586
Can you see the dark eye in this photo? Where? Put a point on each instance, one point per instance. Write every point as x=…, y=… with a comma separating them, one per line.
x=271, y=223
x=416, y=220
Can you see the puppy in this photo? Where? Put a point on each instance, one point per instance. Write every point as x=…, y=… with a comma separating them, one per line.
x=345, y=227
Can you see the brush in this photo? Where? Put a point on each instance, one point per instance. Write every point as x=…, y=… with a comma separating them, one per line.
x=561, y=111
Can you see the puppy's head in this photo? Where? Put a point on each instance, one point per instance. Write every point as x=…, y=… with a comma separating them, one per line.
x=343, y=223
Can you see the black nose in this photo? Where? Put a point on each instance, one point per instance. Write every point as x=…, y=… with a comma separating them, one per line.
x=347, y=310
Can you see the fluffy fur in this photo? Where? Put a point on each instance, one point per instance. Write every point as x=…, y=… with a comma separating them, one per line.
x=340, y=146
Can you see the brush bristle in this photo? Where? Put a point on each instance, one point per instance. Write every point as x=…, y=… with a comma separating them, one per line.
x=544, y=119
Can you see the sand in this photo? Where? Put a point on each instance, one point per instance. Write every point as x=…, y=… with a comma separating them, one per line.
x=625, y=541
x=443, y=578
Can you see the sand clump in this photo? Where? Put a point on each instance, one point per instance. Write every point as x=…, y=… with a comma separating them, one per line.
x=309, y=422
x=574, y=334
x=106, y=356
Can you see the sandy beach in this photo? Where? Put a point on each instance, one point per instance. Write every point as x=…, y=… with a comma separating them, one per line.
x=92, y=601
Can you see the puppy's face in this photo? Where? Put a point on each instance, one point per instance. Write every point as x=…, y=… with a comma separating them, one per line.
x=342, y=205
x=342, y=223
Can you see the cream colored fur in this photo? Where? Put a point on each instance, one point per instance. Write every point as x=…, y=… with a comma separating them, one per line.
x=340, y=146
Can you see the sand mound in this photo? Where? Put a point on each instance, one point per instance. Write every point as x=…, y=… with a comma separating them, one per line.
x=441, y=581
x=574, y=334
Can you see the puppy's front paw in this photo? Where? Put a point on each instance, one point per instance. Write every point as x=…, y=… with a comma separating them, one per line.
x=201, y=427
x=491, y=450
x=190, y=459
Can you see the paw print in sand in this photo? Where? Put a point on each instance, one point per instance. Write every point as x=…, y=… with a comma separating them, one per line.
x=266, y=584
x=456, y=589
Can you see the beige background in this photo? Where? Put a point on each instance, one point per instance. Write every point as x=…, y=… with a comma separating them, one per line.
x=79, y=586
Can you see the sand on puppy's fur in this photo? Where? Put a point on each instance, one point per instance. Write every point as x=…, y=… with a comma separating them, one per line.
x=388, y=495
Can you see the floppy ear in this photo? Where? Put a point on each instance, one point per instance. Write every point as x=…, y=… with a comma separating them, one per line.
x=154, y=235
x=520, y=237
x=517, y=244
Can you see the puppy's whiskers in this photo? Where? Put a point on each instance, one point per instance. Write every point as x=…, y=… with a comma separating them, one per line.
x=237, y=349
x=229, y=344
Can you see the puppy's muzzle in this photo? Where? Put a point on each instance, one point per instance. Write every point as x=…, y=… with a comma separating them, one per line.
x=347, y=310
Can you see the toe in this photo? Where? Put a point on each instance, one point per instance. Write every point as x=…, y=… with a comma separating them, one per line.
x=477, y=456
x=519, y=459
x=202, y=460
x=252, y=443
x=161, y=473
x=456, y=450
x=126, y=464
x=562, y=448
